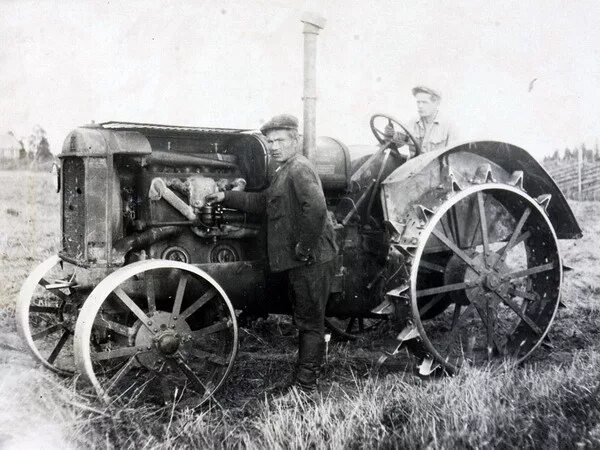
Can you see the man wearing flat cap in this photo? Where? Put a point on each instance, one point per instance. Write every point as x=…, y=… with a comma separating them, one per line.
x=430, y=129
x=300, y=238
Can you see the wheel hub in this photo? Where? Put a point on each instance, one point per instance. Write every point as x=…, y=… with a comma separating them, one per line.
x=488, y=281
x=168, y=343
x=492, y=281
x=163, y=337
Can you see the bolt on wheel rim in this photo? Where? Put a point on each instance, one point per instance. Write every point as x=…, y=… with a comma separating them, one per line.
x=485, y=279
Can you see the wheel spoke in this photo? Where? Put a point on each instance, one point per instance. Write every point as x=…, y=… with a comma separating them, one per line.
x=114, y=326
x=150, y=292
x=515, y=236
x=178, y=298
x=512, y=305
x=455, y=315
x=484, y=227
x=121, y=373
x=530, y=271
x=457, y=322
x=476, y=227
x=59, y=346
x=522, y=238
x=199, y=387
x=59, y=294
x=431, y=266
x=350, y=325
x=209, y=356
x=488, y=322
x=44, y=309
x=441, y=289
x=430, y=303
x=116, y=353
x=202, y=300
x=214, y=328
x=135, y=309
x=47, y=331
x=168, y=395
x=523, y=294
x=461, y=254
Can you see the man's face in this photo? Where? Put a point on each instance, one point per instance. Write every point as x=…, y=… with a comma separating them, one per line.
x=426, y=105
x=281, y=146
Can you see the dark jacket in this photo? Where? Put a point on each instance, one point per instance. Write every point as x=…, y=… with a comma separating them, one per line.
x=296, y=213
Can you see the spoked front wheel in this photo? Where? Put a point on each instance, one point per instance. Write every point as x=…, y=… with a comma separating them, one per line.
x=46, y=311
x=159, y=331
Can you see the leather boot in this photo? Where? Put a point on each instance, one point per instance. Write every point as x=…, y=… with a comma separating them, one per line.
x=311, y=353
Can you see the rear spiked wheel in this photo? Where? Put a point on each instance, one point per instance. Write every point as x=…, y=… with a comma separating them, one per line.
x=46, y=311
x=157, y=330
x=485, y=279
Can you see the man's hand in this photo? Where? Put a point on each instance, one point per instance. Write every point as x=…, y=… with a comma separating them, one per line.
x=302, y=254
x=389, y=131
x=215, y=197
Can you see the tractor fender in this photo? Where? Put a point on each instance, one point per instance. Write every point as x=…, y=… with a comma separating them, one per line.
x=475, y=162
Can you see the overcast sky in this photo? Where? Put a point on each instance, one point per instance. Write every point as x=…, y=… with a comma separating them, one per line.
x=236, y=63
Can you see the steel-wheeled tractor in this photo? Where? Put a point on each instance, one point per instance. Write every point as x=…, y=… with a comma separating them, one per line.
x=457, y=248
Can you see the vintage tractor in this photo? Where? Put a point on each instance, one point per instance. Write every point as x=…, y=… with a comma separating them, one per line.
x=456, y=248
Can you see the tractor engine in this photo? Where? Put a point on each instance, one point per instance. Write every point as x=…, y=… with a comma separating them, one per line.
x=132, y=192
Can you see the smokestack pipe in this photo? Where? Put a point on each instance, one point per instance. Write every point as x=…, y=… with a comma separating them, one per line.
x=313, y=23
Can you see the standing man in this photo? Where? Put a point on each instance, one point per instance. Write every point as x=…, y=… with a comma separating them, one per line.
x=430, y=129
x=300, y=238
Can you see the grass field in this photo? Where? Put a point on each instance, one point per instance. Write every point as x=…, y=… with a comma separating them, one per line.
x=549, y=402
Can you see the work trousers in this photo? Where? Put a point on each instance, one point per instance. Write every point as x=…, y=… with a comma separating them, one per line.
x=311, y=286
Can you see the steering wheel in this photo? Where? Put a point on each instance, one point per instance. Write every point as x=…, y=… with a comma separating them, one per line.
x=381, y=137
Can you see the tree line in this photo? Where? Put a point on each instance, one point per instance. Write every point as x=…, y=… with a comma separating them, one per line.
x=571, y=155
x=35, y=147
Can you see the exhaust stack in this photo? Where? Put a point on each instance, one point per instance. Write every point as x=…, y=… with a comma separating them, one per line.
x=313, y=23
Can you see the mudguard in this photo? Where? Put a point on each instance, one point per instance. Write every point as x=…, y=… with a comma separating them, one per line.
x=471, y=163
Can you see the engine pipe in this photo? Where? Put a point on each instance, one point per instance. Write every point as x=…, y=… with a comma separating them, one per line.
x=313, y=23
x=139, y=240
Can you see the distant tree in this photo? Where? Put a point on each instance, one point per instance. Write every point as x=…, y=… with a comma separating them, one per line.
x=586, y=155
x=22, y=151
x=596, y=151
x=567, y=156
x=555, y=155
x=43, y=151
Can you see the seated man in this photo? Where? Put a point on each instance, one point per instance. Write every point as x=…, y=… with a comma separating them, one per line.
x=431, y=130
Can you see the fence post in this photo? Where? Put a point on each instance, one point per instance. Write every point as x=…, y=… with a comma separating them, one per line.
x=579, y=173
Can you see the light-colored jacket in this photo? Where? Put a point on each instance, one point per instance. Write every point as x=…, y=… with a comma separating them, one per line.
x=439, y=134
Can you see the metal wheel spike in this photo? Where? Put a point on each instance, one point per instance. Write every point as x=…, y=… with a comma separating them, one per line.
x=483, y=174
x=544, y=200
x=450, y=179
x=427, y=367
x=400, y=291
x=424, y=212
x=409, y=332
x=516, y=179
x=384, y=308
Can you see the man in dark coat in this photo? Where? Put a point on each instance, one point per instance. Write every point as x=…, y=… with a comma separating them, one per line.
x=300, y=238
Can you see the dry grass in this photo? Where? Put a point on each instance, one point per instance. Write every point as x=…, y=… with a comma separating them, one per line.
x=551, y=402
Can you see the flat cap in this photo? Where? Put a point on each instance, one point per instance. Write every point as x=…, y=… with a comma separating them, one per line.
x=280, y=122
x=426, y=90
